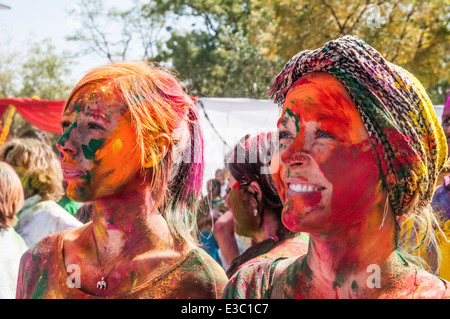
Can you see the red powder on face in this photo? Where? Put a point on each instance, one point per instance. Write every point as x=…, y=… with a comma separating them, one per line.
x=331, y=147
x=354, y=174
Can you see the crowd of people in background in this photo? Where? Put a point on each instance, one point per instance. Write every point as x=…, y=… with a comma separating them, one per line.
x=239, y=219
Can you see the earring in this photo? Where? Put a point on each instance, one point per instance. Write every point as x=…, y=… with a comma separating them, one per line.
x=385, y=211
x=255, y=212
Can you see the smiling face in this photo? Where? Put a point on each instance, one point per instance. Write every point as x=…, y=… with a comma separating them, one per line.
x=98, y=149
x=329, y=175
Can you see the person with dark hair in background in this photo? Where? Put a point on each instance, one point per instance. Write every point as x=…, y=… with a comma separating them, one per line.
x=254, y=202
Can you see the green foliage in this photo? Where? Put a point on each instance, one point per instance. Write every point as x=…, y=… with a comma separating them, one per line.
x=38, y=72
x=229, y=48
x=412, y=34
x=215, y=57
x=44, y=72
x=109, y=32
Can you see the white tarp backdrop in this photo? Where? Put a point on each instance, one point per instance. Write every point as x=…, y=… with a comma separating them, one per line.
x=227, y=120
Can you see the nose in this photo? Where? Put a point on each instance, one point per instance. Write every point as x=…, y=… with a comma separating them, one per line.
x=65, y=144
x=297, y=153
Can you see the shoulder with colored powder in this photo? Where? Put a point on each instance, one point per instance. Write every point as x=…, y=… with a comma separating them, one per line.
x=34, y=266
x=207, y=275
x=253, y=280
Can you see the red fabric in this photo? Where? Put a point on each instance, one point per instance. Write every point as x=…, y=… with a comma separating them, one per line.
x=44, y=114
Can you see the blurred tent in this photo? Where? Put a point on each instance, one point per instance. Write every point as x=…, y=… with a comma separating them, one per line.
x=226, y=120
x=43, y=114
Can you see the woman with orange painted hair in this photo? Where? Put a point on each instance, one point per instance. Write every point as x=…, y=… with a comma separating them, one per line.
x=132, y=146
x=12, y=245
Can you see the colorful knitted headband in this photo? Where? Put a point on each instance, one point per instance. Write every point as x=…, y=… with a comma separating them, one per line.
x=394, y=107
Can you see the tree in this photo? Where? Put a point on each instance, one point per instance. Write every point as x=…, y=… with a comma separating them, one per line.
x=216, y=56
x=109, y=32
x=8, y=67
x=227, y=48
x=204, y=41
x=412, y=34
x=44, y=72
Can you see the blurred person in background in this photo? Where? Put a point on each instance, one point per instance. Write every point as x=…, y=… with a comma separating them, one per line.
x=254, y=202
x=211, y=207
x=40, y=135
x=41, y=176
x=12, y=245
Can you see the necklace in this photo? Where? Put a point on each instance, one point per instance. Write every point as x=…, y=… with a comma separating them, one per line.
x=101, y=284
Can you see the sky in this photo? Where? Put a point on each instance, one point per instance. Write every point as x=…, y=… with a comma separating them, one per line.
x=31, y=20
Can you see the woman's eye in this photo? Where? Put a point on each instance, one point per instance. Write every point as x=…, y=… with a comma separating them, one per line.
x=96, y=126
x=65, y=125
x=284, y=135
x=322, y=134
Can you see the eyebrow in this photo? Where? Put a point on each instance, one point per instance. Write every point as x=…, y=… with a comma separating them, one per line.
x=323, y=116
x=97, y=113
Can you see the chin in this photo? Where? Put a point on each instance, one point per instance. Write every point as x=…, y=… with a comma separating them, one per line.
x=293, y=219
x=300, y=220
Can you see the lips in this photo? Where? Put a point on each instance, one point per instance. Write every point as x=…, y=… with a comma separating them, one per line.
x=71, y=172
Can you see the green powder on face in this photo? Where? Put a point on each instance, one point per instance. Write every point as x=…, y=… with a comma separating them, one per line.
x=77, y=108
x=65, y=136
x=338, y=282
x=94, y=145
x=296, y=121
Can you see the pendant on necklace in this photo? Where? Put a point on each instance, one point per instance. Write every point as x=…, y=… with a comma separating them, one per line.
x=101, y=284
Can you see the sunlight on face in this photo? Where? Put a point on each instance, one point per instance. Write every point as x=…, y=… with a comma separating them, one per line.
x=328, y=169
x=98, y=145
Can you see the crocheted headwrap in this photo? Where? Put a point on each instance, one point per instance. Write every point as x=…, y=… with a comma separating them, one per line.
x=395, y=109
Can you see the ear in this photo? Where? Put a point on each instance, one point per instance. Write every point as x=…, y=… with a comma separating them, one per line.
x=255, y=190
x=162, y=142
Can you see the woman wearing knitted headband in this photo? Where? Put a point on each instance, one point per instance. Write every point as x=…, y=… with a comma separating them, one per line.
x=131, y=146
x=360, y=135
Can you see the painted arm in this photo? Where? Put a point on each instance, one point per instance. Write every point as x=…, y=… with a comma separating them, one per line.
x=224, y=234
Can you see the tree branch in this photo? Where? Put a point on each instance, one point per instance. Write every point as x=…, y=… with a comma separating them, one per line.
x=341, y=30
